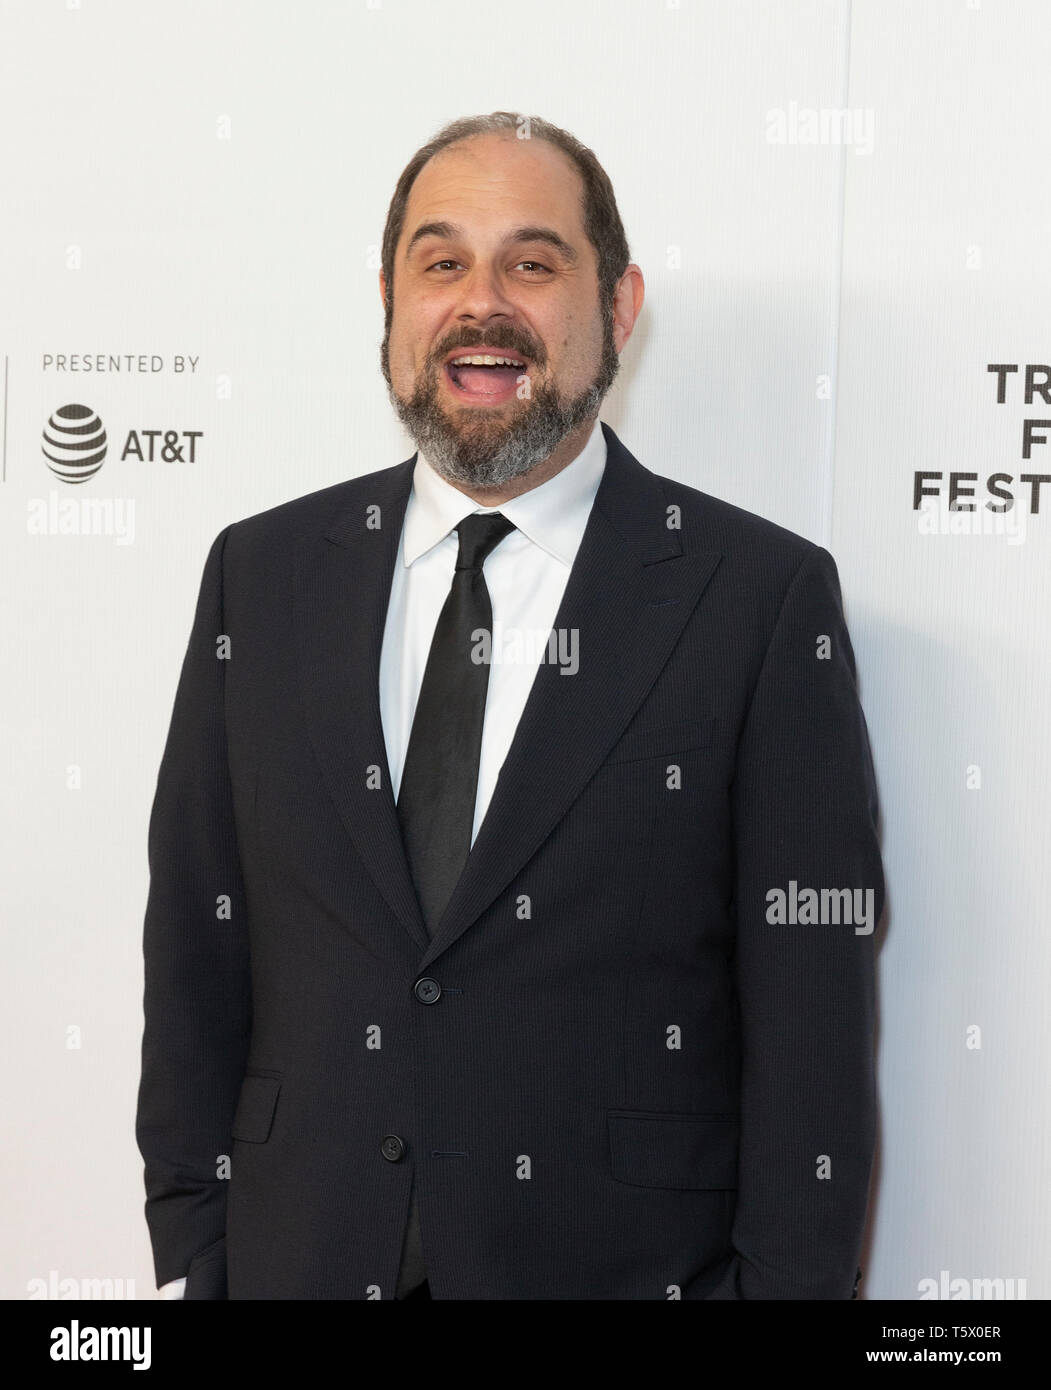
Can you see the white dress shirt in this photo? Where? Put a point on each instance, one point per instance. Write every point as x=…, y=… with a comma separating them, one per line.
x=526, y=577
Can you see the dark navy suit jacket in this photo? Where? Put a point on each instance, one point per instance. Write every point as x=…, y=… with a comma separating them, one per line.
x=623, y=1081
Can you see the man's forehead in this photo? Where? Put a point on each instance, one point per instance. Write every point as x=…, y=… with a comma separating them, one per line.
x=483, y=174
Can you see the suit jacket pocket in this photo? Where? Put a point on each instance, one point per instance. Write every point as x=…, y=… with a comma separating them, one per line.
x=256, y=1106
x=667, y=737
x=650, y=1148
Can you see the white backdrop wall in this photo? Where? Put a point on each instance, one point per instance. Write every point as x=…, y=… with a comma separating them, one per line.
x=205, y=185
x=945, y=272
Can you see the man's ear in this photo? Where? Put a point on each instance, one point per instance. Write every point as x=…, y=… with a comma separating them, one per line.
x=627, y=304
x=383, y=289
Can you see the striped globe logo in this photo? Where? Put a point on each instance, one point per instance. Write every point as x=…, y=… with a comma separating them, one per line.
x=74, y=443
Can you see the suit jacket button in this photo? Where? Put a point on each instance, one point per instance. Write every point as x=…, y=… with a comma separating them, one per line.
x=427, y=991
x=392, y=1148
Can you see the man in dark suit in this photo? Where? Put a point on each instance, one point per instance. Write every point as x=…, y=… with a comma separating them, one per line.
x=487, y=967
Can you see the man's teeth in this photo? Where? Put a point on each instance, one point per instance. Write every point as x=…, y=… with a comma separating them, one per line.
x=483, y=360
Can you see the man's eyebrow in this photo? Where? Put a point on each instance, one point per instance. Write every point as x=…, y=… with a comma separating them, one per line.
x=447, y=231
x=547, y=235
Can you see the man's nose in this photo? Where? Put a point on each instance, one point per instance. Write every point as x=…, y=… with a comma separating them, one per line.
x=483, y=296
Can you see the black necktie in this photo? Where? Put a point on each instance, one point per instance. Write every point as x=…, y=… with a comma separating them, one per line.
x=439, y=781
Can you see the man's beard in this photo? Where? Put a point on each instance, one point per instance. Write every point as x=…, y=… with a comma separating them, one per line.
x=488, y=447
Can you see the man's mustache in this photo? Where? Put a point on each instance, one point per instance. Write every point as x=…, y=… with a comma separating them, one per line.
x=491, y=338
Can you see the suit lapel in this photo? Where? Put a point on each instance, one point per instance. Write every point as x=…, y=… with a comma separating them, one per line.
x=341, y=584
x=629, y=594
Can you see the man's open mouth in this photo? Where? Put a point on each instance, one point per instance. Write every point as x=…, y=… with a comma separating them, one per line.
x=483, y=376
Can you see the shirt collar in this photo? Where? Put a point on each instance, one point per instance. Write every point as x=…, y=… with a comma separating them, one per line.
x=552, y=515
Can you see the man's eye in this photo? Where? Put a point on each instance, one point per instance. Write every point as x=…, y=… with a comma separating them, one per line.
x=534, y=267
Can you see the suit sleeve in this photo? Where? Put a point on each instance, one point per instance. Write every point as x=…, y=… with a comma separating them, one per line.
x=197, y=1000
x=804, y=808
